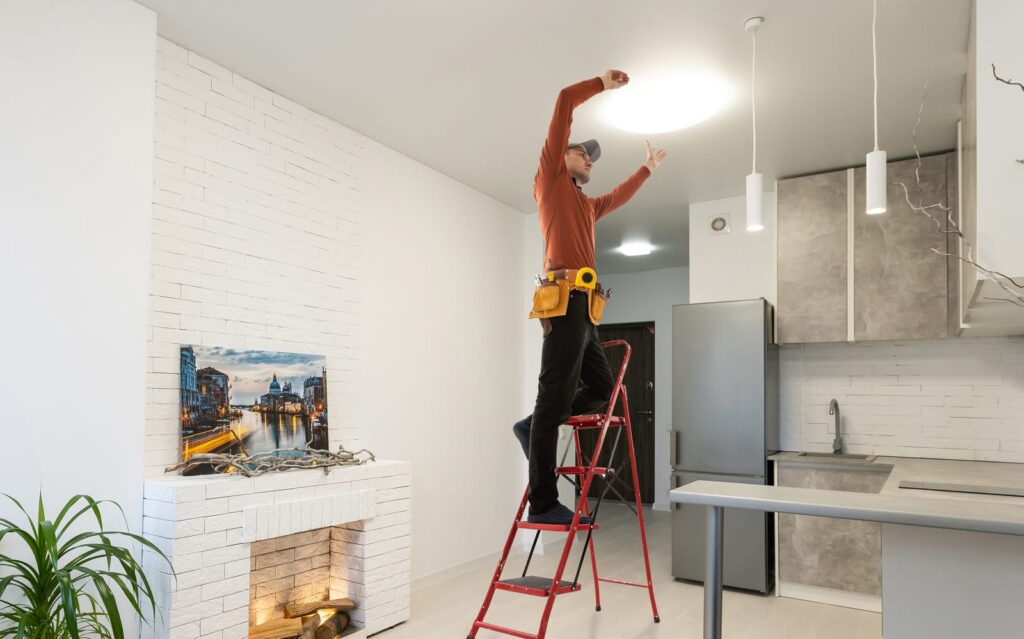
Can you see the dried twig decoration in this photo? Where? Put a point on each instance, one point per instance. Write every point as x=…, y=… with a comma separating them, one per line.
x=947, y=224
x=1007, y=80
x=262, y=463
x=1012, y=84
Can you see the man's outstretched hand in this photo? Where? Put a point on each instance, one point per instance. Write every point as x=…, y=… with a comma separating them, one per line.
x=654, y=156
x=613, y=79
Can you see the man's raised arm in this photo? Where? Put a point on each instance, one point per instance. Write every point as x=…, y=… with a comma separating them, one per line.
x=552, y=157
x=621, y=194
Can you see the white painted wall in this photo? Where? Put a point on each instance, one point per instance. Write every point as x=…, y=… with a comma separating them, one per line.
x=737, y=265
x=648, y=296
x=75, y=182
x=1000, y=135
x=443, y=355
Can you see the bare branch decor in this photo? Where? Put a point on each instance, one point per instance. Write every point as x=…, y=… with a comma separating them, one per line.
x=274, y=461
x=947, y=224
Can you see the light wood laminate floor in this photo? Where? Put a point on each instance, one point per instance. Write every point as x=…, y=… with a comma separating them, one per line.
x=446, y=610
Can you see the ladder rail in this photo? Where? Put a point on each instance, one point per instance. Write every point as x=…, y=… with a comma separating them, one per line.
x=640, y=510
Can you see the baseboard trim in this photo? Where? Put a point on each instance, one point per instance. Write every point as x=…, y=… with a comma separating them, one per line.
x=831, y=596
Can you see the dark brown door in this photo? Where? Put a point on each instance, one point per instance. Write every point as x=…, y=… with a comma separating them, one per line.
x=639, y=382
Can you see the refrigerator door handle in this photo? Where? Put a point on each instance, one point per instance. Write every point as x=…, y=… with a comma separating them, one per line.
x=676, y=483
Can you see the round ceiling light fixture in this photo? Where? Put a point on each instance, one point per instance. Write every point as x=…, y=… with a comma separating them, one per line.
x=668, y=102
x=635, y=248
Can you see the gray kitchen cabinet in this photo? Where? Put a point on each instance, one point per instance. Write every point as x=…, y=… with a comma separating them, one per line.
x=812, y=258
x=844, y=275
x=900, y=280
x=821, y=554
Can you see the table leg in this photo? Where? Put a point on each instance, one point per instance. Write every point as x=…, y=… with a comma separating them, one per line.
x=713, y=574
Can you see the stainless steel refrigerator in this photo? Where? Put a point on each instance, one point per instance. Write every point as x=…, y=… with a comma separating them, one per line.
x=725, y=424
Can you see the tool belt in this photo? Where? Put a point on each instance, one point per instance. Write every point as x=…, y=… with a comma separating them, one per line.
x=551, y=297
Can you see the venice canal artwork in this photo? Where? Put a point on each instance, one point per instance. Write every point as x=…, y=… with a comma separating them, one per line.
x=267, y=400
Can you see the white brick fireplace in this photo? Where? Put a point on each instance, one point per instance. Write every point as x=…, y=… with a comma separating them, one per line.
x=207, y=525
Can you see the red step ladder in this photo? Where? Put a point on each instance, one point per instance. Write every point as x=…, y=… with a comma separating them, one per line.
x=584, y=471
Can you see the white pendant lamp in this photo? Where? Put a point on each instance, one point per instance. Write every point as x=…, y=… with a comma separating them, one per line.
x=876, y=177
x=755, y=183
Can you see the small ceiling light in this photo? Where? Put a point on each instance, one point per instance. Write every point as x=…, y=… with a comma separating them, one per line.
x=755, y=182
x=667, y=103
x=876, y=177
x=633, y=249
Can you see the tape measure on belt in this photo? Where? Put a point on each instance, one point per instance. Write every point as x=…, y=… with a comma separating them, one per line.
x=584, y=277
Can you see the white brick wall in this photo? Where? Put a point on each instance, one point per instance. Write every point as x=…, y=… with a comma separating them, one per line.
x=950, y=399
x=256, y=236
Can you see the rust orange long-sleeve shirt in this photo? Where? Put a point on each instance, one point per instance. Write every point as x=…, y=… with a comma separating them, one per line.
x=567, y=215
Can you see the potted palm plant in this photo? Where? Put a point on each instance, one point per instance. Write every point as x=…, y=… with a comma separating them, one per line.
x=71, y=579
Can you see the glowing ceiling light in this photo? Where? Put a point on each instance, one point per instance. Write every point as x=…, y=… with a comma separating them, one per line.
x=667, y=103
x=633, y=249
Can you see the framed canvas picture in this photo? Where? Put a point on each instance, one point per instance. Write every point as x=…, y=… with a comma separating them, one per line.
x=261, y=400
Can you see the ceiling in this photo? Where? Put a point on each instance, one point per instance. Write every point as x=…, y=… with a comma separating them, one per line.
x=467, y=86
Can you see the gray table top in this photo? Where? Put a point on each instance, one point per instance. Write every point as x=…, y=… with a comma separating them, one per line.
x=894, y=509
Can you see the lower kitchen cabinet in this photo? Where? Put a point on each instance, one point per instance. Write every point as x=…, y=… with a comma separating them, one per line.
x=835, y=561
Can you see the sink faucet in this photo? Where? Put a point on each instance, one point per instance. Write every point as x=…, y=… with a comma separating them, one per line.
x=837, y=443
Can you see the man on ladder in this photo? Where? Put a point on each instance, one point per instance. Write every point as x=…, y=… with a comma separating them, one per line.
x=569, y=301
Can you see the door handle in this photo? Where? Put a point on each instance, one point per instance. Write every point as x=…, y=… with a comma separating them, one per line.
x=644, y=412
x=673, y=455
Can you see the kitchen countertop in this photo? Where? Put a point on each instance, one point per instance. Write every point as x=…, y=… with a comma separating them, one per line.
x=975, y=516
x=945, y=471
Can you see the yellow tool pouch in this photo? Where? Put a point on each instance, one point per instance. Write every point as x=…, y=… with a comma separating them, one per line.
x=597, y=302
x=550, y=299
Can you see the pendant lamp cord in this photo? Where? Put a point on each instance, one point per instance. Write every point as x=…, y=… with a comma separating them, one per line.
x=874, y=59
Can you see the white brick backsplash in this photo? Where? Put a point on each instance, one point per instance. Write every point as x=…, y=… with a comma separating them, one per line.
x=951, y=399
x=256, y=229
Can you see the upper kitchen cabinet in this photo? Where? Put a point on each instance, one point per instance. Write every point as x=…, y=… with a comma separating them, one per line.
x=900, y=272
x=845, y=275
x=812, y=258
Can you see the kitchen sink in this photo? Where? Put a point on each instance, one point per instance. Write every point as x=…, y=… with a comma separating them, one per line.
x=839, y=456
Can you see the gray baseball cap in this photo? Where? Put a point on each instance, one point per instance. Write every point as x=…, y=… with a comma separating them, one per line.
x=592, y=147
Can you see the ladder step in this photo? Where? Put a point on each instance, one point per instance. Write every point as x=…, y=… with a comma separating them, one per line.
x=580, y=470
x=593, y=421
x=536, y=586
x=525, y=525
